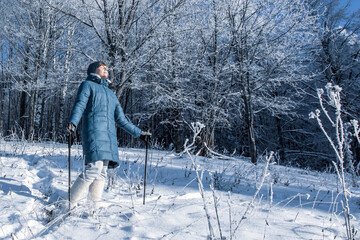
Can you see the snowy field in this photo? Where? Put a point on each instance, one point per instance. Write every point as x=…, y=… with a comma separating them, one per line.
x=291, y=203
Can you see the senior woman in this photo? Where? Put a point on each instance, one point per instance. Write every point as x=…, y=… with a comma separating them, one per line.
x=101, y=111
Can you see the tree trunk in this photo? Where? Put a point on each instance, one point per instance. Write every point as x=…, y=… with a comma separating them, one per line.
x=249, y=118
x=177, y=131
x=23, y=107
x=64, y=84
x=2, y=93
x=252, y=142
x=53, y=123
x=280, y=141
x=23, y=97
x=32, y=115
x=42, y=129
x=10, y=113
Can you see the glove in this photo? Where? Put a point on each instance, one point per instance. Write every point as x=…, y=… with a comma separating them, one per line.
x=145, y=136
x=71, y=128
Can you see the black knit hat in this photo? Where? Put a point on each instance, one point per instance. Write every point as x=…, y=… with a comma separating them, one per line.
x=93, y=66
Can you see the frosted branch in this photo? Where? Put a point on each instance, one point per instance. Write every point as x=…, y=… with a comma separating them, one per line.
x=355, y=124
x=320, y=92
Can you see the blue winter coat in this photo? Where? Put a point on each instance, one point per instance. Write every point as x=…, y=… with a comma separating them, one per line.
x=101, y=109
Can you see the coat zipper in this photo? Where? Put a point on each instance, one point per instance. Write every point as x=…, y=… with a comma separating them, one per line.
x=107, y=120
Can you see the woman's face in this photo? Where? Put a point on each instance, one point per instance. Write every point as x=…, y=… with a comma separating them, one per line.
x=102, y=71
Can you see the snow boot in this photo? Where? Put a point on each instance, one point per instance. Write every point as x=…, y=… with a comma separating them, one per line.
x=95, y=192
x=78, y=189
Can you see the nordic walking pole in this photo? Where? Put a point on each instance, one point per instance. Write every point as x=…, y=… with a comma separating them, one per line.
x=69, y=162
x=146, y=159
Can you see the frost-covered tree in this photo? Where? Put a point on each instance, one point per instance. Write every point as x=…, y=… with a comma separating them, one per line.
x=336, y=57
x=267, y=40
x=27, y=31
x=193, y=79
x=338, y=52
x=34, y=64
x=167, y=76
x=214, y=80
x=123, y=29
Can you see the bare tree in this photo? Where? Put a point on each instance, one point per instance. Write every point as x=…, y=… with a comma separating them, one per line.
x=34, y=32
x=266, y=52
x=123, y=28
x=336, y=57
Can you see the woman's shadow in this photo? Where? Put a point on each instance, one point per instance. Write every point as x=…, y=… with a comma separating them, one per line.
x=9, y=186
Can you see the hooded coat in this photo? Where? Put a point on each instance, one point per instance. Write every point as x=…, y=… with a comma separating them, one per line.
x=100, y=109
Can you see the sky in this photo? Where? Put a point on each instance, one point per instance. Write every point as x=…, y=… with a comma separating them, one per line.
x=355, y=4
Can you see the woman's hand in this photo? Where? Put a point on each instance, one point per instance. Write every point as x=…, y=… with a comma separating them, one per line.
x=145, y=136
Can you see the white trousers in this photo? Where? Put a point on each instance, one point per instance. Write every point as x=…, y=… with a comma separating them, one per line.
x=95, y=171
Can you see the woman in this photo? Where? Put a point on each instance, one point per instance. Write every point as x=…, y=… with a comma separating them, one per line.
x=100, y=110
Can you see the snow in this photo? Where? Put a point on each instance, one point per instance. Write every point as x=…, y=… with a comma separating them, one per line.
x=292, y=203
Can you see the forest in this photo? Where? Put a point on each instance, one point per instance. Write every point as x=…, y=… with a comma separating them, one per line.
x=250, y=71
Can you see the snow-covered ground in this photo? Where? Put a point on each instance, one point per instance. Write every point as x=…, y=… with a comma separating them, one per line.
x=292, y=203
